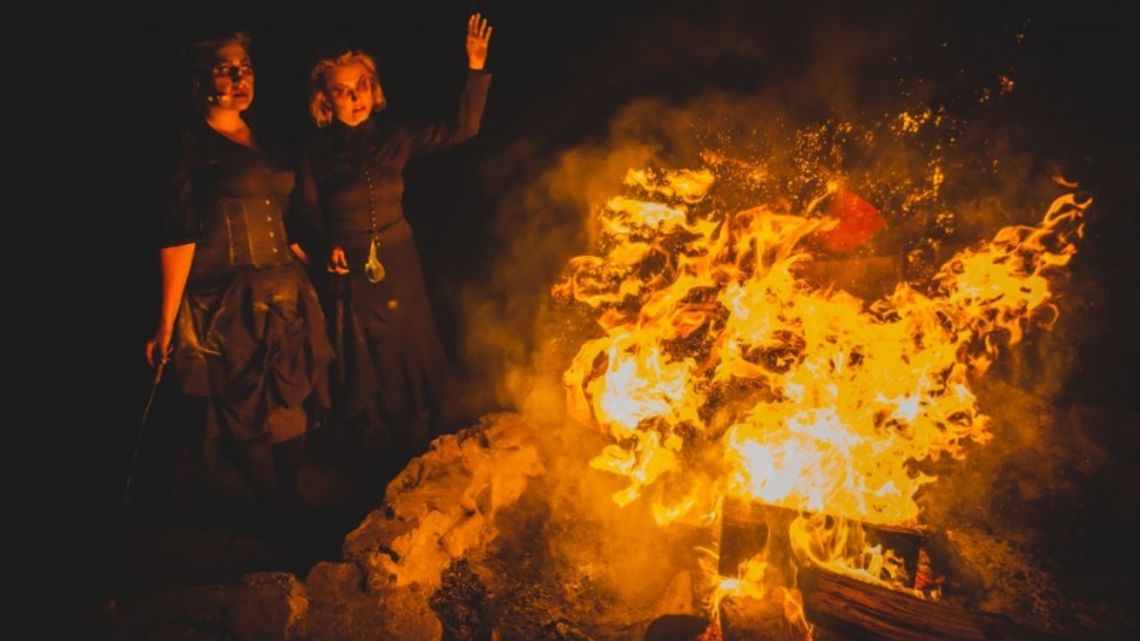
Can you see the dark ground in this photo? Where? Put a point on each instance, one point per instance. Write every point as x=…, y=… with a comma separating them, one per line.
x=101, y=78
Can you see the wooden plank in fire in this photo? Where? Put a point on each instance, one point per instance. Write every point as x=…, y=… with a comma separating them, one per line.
x=848, y=606
x=750, y=526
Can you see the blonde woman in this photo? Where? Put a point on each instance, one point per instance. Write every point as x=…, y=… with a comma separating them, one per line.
x=391, y=363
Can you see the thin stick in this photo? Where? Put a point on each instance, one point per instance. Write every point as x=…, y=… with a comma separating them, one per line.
x=142, y=428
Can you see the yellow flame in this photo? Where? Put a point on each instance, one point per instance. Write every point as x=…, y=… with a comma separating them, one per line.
x=809, y=398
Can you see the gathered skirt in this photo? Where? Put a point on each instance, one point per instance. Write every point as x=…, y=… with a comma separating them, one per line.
x=258, y=349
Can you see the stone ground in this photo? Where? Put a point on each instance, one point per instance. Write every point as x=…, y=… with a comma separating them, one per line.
x=214, y=534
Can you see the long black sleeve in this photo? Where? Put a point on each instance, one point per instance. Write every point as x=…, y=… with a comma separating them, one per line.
x=466, y=121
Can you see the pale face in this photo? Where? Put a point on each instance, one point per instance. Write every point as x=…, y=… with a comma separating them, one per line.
x=350, y=92
x=232, y=77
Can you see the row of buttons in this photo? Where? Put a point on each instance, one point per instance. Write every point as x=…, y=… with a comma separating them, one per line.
x=269, y=217
x=371, y=198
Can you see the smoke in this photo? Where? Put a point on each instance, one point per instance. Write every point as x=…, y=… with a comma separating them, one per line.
x=616, y=553
x=804, y=96
x=942, y=118
x=932, y=129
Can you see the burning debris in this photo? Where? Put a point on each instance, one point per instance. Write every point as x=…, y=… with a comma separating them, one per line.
x=722, y=373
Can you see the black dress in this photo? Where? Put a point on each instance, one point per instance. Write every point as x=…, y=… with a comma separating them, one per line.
x=251, y=336
x=391, y=364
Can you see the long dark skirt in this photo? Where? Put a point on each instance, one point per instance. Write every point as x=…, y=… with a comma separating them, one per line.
x=258, y=349
x=391, y=368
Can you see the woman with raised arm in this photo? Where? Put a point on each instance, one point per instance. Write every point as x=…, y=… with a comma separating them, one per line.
x=391, y=365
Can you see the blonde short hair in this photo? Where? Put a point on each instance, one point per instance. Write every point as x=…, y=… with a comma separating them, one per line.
x=320, y=105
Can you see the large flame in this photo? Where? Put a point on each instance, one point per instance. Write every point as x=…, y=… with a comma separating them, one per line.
x=720, y=371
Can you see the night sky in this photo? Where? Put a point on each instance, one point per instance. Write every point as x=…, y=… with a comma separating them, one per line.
x=562, y=72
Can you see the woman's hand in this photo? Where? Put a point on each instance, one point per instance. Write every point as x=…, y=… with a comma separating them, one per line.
x=478, y=37
x=338, y=264
x=299, y=253
x=158, y=347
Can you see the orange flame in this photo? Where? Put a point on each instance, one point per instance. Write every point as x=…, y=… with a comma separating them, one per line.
x=720, y=371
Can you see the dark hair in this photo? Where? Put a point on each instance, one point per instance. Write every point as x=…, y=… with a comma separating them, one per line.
x=200, y=53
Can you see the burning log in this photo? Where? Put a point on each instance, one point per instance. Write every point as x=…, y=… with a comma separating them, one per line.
x=846, y=605
x=751, y=527
x=866, y=611
x=676, y=627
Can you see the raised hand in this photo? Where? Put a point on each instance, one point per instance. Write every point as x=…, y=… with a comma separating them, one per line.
x=478, y=37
